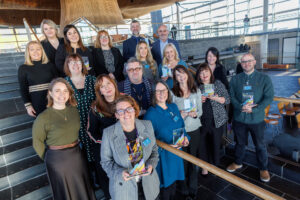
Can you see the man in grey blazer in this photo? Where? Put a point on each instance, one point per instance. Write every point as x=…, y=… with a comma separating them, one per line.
x=114, y=160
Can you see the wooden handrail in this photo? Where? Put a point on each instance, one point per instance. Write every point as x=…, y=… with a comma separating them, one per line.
x=258, y=191
x=25, y=22
x=284, y=99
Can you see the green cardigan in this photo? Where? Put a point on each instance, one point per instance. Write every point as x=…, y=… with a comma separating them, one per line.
x=263, y=95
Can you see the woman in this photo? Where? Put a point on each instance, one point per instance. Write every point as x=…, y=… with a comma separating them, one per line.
x=170, y=61
x=214, y=115
x=51, y=41
x=102, y=116
x=34, y=77
x=144, y=55
x=55, y=139
x=120, y=142
x=83, y=86
x=212, y=59
x=108, y=59
x=73, y=44
x=187, y=97
x=166, y=119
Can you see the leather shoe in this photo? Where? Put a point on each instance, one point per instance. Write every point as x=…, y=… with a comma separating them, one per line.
x=264, y=175
x=233, y=167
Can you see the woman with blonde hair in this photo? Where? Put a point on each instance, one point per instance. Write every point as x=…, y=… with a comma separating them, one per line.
x=144, y=55
x=108, y=59
x=51, y=41
x=170, y=61
x=55, y=140
x=34, y=77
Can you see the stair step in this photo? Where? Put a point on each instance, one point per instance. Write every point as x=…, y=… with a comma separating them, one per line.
x=11, y=108
x=9, y=79
x=15, y=123
x=43, y=193
x=9, y=87
x=16, y=156
x=16, y=137
x=8, y=72
x=9, y=95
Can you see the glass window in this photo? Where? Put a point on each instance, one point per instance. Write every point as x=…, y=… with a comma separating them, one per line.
x=256, y=12
x=219, y=4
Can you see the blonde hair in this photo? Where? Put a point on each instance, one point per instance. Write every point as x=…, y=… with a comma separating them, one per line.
x=149, y=57
x=71, y=101
x=97, y=41
x=164, y=62
x=28, y=60
x=51, y=23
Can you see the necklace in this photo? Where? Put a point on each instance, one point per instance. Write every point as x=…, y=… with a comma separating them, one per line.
x=60, y=114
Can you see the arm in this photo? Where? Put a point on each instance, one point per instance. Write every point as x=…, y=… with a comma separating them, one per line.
x=93, y=127
x=222, y=92
x=232, y=90
x=60, y=57
x=153, y=159
x=199, y=103
x=91, y=62
x=119, y=66
x=39, y=136
x=125, y=51
x=24, y=87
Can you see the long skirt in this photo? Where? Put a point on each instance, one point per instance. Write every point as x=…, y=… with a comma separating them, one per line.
x=68, y=174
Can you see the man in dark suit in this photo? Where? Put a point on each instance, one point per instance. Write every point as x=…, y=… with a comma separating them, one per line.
x=159, y=45
x=129, y=45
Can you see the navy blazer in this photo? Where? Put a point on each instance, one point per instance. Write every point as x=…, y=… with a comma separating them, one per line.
x=156, y=50
x=129, y=47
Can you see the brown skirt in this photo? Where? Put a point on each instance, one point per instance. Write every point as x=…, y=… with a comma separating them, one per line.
x=68, y=174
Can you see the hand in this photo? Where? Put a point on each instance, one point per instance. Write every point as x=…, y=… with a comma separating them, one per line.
x=247, y=108
x=186, y=142
x=111, y=75
x=192, y=114
x=31, y=111
x=175, y=146
x=184, y=114
x=203, y=98
x=164, y=78
x=149, y=171
x=217, y=98
x=126, y=175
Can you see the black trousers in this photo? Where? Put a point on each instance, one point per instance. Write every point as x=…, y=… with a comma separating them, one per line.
x=168, y=193
x=210, y=142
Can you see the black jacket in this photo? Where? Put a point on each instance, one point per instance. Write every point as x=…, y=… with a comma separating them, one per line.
x=100, y=63
x=220, y=74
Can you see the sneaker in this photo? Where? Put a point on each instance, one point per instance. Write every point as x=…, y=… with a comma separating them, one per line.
x=264, y=175
x=233, y=167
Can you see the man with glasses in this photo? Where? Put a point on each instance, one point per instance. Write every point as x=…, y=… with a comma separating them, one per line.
x=251, y=92
x=136, y=86
x=159, y=45
x=129, y=45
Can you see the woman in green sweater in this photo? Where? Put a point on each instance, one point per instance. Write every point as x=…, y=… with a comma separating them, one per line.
x=55, y=139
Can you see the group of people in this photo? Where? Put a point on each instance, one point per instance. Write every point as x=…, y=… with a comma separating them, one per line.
x=99, y=113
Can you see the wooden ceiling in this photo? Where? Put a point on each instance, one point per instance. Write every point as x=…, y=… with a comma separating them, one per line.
x=62, y=12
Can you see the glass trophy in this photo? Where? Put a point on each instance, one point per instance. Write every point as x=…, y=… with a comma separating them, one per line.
x=178, y=137
x=165, y=71
x=190, y=105
x=209, y=90
x=86, y=62
x=136, y=165
x=248, y=99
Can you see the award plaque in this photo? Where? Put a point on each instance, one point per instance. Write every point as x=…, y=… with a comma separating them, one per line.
x=178, y=137
x=209, y=90
x=136, y=165
x=248, y=99
x=190, y=105
x=86, y=62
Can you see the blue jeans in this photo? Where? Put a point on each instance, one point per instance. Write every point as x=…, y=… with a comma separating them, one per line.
x=241, y=131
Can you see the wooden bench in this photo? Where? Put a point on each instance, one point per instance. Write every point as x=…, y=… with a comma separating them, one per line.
x=275, y=66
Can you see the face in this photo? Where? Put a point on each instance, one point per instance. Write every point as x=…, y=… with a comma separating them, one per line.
x=143, y=50
x=205, y=76
x=135, y=28
x=73, y=35
x=211, y=58
x=75, y=66
x=59, y=93
x=248, y=63
x=125, y=112
x=49, y=31
x=163, y=33
x=181, y=77
x=107, y=88
x=35, y=52
x=104, y=40
x=161, y=93
x=170, y=53
x=135, y=72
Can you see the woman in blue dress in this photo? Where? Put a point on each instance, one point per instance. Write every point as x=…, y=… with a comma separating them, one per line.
x=166, y=118
x=83, y=86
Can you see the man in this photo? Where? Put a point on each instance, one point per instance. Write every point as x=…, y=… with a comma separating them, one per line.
x=159, y=45
x=129, y=45
x=246, y=24
x=251, y=92
x=136, y=86
x=174, y=32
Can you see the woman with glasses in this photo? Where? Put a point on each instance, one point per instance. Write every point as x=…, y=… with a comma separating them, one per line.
x=55, y=140
x=170, y=61
x=73, y=44
x=166, y=120
x=51, y=41
x=34, y=77
x=144, y=55
x=102, y=116
x=214, y=115
x=125, y=145
x=83, y=86
x=187, y=97
x=108, y=59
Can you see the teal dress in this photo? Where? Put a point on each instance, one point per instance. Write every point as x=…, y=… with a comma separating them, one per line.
x=170, y=167
x=84, y=100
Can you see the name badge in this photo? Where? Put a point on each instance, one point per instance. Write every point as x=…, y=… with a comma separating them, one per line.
x=247, y=87
x=175, y=118
x=146, y=142
x=146, y=66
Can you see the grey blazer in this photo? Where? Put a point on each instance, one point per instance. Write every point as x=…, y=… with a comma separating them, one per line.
x=114, y=160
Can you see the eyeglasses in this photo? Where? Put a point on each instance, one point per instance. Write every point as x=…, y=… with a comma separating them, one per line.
x=246, y=61
x=134, y=69
x=126, y=110
x=104, y=37
x=161, y=91
x=75, y=62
